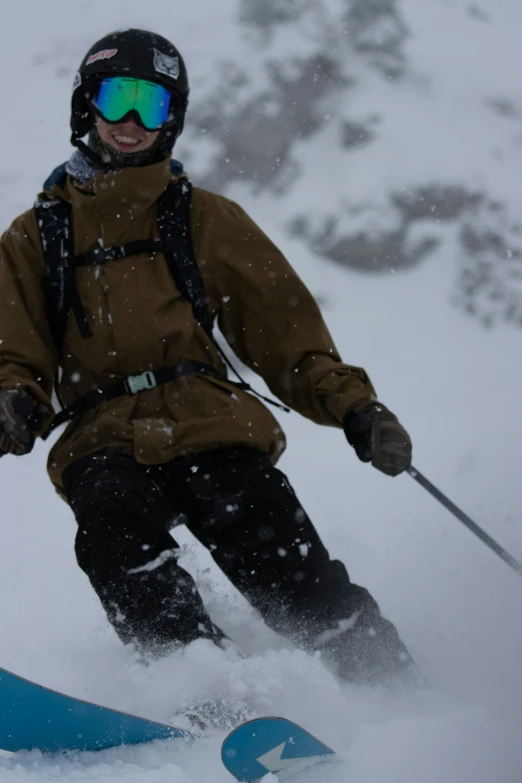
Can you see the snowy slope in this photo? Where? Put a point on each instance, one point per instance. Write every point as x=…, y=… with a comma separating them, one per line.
x=455, y=384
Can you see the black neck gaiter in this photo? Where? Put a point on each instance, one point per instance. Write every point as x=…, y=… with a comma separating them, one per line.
x=115, y=159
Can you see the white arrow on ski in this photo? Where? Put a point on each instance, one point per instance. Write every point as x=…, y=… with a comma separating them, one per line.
x=273, y=762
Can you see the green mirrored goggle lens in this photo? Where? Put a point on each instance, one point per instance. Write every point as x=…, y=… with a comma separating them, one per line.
x=118, y=95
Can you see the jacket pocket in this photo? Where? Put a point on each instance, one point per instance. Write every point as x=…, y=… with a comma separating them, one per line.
x=201, y=396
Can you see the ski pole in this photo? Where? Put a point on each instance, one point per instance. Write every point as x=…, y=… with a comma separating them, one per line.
x=490, y=542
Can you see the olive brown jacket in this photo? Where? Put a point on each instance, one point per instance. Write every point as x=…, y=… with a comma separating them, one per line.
x=140, y=321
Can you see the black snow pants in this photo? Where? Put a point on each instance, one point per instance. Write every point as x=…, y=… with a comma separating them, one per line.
x=239, y=506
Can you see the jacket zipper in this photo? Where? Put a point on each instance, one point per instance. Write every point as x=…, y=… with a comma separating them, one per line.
x=105, y=314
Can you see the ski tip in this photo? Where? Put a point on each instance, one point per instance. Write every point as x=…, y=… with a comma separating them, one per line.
x=270, y=745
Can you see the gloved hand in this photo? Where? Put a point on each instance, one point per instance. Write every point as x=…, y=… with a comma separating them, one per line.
x=18, y=418
x=378, y=437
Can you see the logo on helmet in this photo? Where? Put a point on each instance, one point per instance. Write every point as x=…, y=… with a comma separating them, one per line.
x=169, y=66
x=77, y=80
x=104, y=54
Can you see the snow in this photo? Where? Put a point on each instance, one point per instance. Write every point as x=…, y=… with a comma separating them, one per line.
x=455, y=385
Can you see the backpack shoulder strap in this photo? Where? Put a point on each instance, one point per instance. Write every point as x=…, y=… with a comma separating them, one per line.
x=55, y=224
x=174, y=229
x=176, y=166
x=56, y=177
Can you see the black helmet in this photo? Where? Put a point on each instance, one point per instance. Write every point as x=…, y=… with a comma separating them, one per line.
x=136, y=53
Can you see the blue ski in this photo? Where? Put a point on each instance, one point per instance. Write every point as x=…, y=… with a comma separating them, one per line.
x=270, y=745
x=32, y=716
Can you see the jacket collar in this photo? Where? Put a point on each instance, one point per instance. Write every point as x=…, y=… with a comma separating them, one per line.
x=127, y=192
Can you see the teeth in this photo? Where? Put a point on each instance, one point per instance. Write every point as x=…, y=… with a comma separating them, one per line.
x=126, y=139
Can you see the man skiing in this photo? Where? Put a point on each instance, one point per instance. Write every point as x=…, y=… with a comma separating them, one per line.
x=110, y=286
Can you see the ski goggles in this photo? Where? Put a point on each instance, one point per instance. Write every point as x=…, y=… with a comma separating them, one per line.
x=119, y=95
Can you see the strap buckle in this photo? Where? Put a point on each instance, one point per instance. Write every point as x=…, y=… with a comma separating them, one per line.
x=141, y=382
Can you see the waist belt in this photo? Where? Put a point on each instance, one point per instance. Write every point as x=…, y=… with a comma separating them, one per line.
x=132, y=385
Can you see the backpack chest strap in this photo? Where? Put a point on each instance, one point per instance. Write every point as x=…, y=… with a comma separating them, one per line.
x=100, y=255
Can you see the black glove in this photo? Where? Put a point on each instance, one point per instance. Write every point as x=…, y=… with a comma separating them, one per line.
x=18, y=418
x=378, y=437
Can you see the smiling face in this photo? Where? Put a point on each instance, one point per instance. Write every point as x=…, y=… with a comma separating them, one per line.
x=125, y=136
